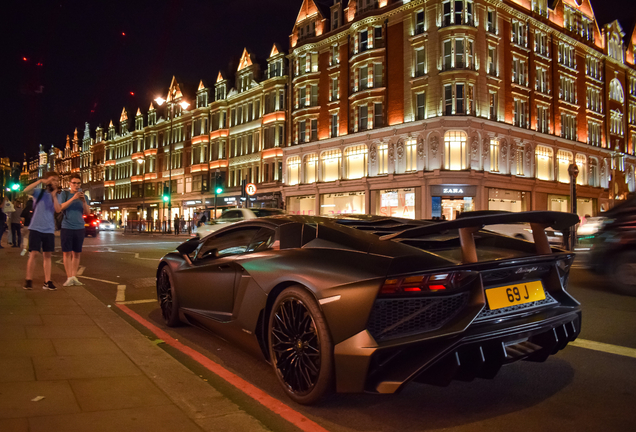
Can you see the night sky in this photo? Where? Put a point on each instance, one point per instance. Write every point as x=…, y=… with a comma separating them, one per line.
x=86, y=60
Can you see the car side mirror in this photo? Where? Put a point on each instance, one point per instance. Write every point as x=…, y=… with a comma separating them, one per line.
x=188, y=247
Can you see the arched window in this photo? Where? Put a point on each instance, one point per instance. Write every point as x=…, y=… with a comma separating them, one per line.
x=581, y=163
x=616, y=91
x=564, y=158
x=594, y=179
x=455, y=150
x=330, y=165
x=544, y=158
x=293, y=170
x=383, y=158
x=615, y=48
x=356, y=161
x=410, y=150
x=310, y=162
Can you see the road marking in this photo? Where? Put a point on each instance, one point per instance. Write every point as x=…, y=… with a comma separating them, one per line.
x=135, y=301
x=294, y=417
x=130, y=244
x=141, y=258
x=121, y=293
x=607, y=348
x=80, y=270
x=99, y=280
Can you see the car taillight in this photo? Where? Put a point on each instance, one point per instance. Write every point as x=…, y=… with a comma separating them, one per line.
x=427, y=283
x=95, y=223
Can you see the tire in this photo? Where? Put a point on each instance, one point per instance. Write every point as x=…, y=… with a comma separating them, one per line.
x=166, y=295
x=624, y=273
x=300, y=346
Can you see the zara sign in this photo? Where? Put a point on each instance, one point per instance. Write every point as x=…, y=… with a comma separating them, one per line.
x=453, y=190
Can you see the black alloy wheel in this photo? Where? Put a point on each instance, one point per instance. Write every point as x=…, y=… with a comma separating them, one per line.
x=300, y=346
x=167, y=298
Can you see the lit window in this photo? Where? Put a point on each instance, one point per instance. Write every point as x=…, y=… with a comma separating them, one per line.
x=310, y=162
x=330, y=165
x=356, y=161
x=293, y=170
x=494, y=155
x=455, y=150
x=581, y=163
x=383, y=158
x=616, y=91
x=544, y=163
x=564, y=159
x=411, y=155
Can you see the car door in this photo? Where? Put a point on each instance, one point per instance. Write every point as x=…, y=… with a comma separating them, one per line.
x=207, y=286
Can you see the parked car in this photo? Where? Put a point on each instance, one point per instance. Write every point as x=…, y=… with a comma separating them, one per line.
x=235, y=215
x=613, y=250
x=105, y=225
x=91, y=225
x=370, y=303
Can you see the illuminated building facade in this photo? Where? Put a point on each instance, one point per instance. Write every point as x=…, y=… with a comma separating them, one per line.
x=431, y=108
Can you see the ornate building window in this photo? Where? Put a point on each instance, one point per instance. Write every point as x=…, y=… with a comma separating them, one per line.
x=293, y=170
x=383, y=158
x=494, y=155
x=455, y=150
x=457, y=12
x=356, y=161
x=568, y=126
x=310, y=163
x=594, y=133
x=544, y=157
x=616, y=91
x=410, y=153
x=581, y=163
x=564, y=159
x=330, y=165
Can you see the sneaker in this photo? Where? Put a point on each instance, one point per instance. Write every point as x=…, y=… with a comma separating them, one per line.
x=49, y=286
x=68, y=282
x=76, y=281
x=28, y=284
x=23, y=253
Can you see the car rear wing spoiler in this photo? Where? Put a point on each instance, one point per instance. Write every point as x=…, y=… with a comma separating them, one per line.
x=469, y=224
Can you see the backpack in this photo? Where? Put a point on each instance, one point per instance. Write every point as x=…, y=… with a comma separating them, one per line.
x=59, y=217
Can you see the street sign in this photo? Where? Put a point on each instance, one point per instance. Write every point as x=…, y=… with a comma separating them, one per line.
x=250, y=188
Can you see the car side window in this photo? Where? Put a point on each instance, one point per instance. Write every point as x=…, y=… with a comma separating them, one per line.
x=232, y=242
x=232, y=214
x=263, y=240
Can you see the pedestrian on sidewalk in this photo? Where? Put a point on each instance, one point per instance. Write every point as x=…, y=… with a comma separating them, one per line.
x=42, y=227
x=27, y=214
x=176, y=224
x=16, y=226
x=3, y=221
x=74, y=206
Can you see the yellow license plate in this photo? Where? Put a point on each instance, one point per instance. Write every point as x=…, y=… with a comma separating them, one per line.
x=511, y=295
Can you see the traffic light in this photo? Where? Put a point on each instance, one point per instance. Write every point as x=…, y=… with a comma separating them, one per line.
x=243, y=190
x=219, y=180
x=15, y=187
x=166, y=194
x=15, y=179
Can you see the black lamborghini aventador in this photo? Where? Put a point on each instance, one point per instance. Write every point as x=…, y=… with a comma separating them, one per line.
x=368, y=303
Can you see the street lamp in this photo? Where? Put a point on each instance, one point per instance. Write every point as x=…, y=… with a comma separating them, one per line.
x=184, y=105
x=141, y=163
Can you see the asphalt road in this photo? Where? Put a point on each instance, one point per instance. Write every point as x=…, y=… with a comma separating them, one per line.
x=578, y=389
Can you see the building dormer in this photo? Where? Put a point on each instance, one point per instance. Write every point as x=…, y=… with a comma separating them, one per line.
x=578, y=18
x=202, y=96
x=220, y=87
x=111, y=131
x=139, y=120
x=152, y=115
x=99, y=134
x=613, y=34
x=336, y=17
x=174, y=97
x=86, y=139
x=247, y=72
x=310, y=22
x=276, y=62
x=75, y=142
x=123, y=122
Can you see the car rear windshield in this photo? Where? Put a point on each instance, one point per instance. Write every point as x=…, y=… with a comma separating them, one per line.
x=267, y=212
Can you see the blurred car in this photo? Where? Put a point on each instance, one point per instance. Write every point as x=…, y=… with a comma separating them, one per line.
x=235, y=215
x=91, y=225
x=524, y=232
x=105, y=225
x=613, y=250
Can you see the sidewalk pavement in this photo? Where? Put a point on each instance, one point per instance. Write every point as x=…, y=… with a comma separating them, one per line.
x=69, y=363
